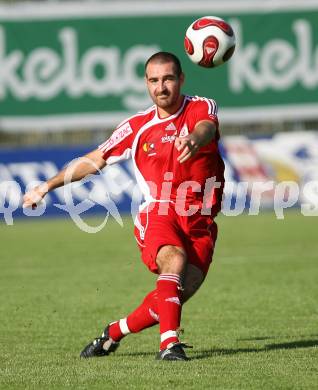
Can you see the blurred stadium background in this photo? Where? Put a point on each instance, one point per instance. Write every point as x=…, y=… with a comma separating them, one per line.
x=69, y=72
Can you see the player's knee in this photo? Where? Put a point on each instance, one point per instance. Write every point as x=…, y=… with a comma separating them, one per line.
x=171, y=259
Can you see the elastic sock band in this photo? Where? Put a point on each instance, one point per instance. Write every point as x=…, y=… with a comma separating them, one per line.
x=123, y=326
x=167, y=335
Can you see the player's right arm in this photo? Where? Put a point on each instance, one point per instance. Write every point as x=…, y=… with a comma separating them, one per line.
x=82, y=167
x=116, y=148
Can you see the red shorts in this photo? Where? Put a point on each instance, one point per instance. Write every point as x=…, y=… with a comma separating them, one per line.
x=196, y=234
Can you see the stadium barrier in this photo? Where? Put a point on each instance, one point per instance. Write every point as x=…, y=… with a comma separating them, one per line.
x=275, y=173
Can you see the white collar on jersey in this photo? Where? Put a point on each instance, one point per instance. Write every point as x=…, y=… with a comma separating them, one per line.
x=185, y=98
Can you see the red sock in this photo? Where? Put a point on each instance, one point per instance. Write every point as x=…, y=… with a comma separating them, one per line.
x=143, y=317
x=169, y=294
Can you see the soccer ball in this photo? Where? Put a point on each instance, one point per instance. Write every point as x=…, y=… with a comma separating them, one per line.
x=209, y=41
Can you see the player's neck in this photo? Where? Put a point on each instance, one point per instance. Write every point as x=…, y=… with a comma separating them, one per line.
x=166, y=112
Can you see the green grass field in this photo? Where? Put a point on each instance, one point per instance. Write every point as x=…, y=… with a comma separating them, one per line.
x=253, y=324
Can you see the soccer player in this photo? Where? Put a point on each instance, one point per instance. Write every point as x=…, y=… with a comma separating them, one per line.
x=174, y=148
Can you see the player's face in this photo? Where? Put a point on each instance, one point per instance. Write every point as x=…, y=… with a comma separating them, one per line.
x=164, y=86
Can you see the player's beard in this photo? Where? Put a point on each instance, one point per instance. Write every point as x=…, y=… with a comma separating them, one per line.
x=163, y=101
x=166, y=100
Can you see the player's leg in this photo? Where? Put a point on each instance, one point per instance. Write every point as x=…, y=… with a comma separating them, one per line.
x=147, y=313
x=200, y=245
x=191, y=270
x=193, y=279
x=143, y=317
x=171, y=262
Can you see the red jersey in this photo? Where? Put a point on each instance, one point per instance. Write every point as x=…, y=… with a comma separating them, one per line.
x=149, y=141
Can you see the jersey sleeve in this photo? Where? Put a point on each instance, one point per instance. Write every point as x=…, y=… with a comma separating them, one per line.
x=203, y=109
x=118, y=146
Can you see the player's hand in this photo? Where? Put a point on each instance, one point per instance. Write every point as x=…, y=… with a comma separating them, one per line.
x=188, y=146
x=33, y=197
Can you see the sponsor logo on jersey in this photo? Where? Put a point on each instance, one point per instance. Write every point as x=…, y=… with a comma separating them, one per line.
x=171, y=127
x=168, y=138
x=184, y=131
x=118, y=135
x=149, y=148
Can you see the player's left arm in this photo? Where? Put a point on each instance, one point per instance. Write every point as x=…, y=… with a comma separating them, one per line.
x=203, y=133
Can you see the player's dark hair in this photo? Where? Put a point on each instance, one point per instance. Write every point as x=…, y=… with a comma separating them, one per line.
x=162, y=57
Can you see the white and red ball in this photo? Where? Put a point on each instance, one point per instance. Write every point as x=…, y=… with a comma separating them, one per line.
x=209, y=41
